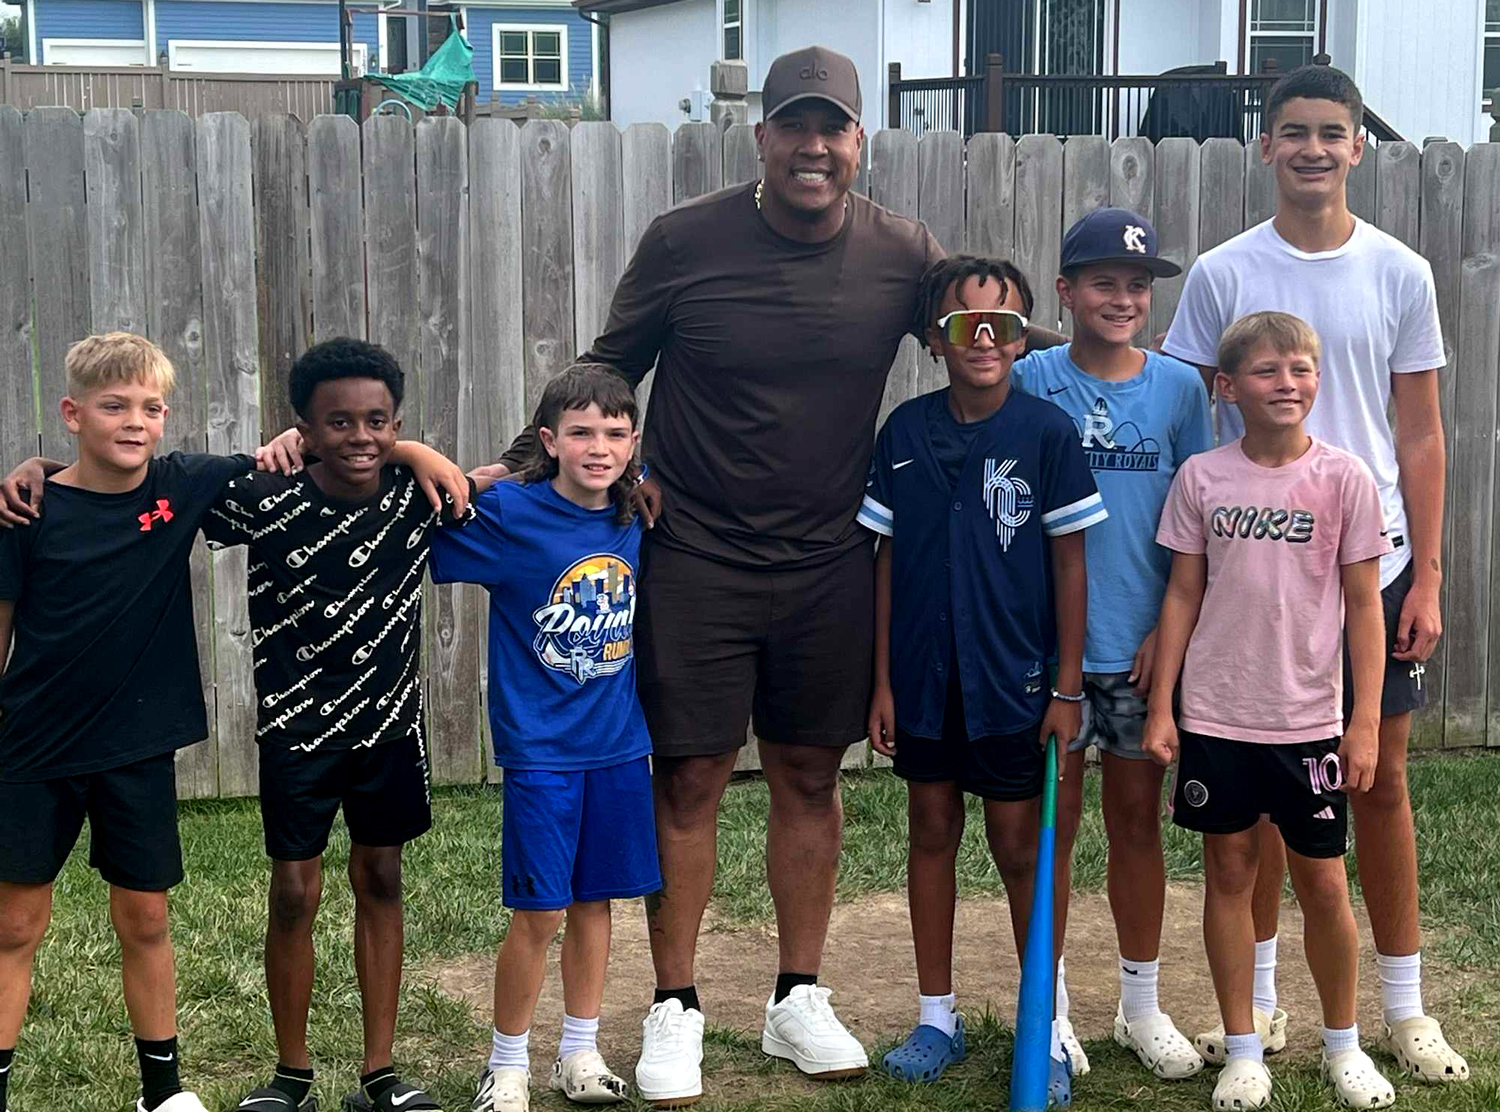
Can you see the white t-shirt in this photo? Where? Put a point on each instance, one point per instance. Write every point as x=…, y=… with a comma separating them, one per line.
x=1374, y=306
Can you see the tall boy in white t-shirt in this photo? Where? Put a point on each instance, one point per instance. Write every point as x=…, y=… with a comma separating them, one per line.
x=1374, y=306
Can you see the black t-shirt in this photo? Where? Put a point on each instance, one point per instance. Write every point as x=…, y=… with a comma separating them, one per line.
x=105, y=667
x=335, y=606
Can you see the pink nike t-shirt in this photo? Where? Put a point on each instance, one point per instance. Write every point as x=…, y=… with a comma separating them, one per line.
x=1265, y=661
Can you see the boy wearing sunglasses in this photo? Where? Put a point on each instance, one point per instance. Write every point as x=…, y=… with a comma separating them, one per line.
x=1138, y=415
x=985, y=587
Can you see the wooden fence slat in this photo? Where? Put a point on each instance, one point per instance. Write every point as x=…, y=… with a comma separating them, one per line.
x=57, y=235
x=741, y=159
x=1179, y=192
x=1221, y=207
x=1085, y=186
x=1260, y=187
x=18, y=436
x=894, y=184
x=282, y=276
x=598, y=226
x=1132, y=175
x=940, y=204
x=1398, y=189
x=1362, y=186
x=697, y=161
x=227, y=238
x=338, y=254
x=646, y=156
x=174, y=321
x=390, y=233
x=547, y=253
x=1039, y=179
x=991, y=223
x=116, y=252
x=454, y=630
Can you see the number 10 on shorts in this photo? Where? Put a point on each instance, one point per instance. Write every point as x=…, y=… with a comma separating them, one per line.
x=1324, y=773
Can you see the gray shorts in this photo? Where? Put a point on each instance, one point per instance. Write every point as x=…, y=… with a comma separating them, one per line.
x=1114, y=716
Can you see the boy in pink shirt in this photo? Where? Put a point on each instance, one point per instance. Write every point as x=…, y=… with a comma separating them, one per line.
x=1277, y=540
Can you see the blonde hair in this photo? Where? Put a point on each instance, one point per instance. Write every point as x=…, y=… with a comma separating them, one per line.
x=1286, y=334
x=97, y=361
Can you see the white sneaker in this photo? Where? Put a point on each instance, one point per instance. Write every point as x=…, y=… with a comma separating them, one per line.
x=1270, y=1028
x=1162, y=1048
x=804, y=1030
x=507, y=1089
x=181, y=1102
x=1078, y=1061
x=1420, y=1050
x=583, y=1078
x=1243, y=1084
x=670, y=1072
x=1356, y=1080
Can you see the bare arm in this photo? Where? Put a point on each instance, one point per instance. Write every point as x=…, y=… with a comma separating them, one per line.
x=882, y=723
x=30, y=475
x=1364, y=629
x=1039, y=338
x=1422, y=456
x=1179, y=615
x=1070, y=603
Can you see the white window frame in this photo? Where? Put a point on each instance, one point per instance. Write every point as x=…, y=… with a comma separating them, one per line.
x=1254, y=34
x=359, y=53
x=131, y=52
x=497, y=29
x=725, y=23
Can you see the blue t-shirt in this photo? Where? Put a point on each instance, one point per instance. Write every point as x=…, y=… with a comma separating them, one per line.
x=562, y=584
x=971, y=572
x=1135, y=434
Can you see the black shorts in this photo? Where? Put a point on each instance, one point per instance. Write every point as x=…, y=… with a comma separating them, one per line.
x=1223, y=787
x=132, y=816
x=386, y=791
x=1005, y=768
x=717, y=644
x=1405, y=689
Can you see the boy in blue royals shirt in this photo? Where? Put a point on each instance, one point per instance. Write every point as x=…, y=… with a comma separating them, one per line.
x=980, y=495
x=1138, y=416
x=559, y=552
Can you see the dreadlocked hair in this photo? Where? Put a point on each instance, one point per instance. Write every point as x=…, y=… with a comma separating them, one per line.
x=946, y=273
x=578, y=387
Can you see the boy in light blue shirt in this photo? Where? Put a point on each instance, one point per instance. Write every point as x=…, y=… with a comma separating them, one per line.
x=1139, y=415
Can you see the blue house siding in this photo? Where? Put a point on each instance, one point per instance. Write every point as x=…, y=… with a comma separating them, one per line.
x=580, y=49
x=254, y=22
x=89, y=19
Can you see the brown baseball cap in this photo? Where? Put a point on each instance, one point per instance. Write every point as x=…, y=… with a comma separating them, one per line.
x=814, y=72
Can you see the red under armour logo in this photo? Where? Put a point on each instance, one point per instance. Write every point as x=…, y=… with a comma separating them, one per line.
x=162, y=513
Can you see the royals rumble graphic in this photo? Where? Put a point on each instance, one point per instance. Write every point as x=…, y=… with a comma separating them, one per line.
x=586, y=629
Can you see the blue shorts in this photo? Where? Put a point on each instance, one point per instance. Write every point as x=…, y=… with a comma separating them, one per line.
x=570, y=837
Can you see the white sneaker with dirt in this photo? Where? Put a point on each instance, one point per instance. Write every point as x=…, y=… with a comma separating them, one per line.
x=583, y=1078
x=1356, y=1081
x=507, y=1089
x=804, y=1030
x=670, y=1072
x=1421, y=1052
x=1270, y=1028
x=181, y=1102
x=1243, y=1084
x=1078, y=1061
x=1162, y=1048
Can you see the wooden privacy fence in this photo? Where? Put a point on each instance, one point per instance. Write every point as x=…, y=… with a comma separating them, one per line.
x=485, y=258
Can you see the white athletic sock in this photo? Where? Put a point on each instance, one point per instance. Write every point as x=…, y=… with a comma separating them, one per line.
x=1138, y=989
x=938, y=1011
x=1244, y=1046
x=1058, y=1053
x=511, y=1051
x=578, y=1034
x=1340, y=1039
x=1060, y=1003
x=1400, y=986
x=1265, y=975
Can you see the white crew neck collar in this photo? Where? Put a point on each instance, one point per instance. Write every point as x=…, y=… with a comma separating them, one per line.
x=1315, y=256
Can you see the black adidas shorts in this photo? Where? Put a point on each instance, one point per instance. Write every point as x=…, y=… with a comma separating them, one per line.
x=1223, y=787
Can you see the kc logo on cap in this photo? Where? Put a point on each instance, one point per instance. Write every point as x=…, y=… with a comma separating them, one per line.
x=1135, y=238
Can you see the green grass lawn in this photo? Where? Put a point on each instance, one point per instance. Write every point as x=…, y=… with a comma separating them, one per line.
x=75, y=1050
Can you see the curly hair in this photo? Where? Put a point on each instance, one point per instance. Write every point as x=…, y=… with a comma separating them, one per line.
x=343, y=357
x=578, y=387
x=955, y=269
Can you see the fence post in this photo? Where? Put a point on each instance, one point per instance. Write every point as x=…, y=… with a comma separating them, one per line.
x=994, y=93
x=893, y=104
x=5, y=78
x=164, y=84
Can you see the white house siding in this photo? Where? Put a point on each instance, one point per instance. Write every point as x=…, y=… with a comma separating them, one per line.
x=1418, y=65
x=920, y=37
x=657, y=57
x=1158, y=35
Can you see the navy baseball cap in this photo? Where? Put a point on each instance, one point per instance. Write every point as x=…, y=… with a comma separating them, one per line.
x=1115, y=235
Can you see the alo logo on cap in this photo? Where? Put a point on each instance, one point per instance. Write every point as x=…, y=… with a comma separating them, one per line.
x=1135, y=238
x=809, y=72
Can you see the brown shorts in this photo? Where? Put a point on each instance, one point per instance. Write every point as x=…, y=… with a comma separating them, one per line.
x=716, y=643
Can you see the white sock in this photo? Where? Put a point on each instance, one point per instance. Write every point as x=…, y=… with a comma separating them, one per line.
x=578, y=1034
x=1060, y=1002
x=1336, y=1040
x=938, y=1011
x=1400, y=986
x=1058, y=1053
x=1265, y=975
x=1244, y=1046
x=1138, y=989
x=511, y=1051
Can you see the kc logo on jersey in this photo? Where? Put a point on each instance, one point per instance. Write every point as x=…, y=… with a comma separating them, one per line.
x=1007, y=499
x=586, y=629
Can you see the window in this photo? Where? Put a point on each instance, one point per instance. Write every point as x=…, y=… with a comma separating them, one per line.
x=734, y=28
x=1284, y=32
x=1491, y=45
x=531, y=57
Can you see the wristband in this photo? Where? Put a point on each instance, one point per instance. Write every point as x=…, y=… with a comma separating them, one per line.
x=1056, y=694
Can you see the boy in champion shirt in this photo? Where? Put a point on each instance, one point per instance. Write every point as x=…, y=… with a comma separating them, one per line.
x=1277, y=539
x=988, y=492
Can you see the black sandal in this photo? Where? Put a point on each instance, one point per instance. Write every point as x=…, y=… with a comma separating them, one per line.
x=274, y=1100
x=400, y=1097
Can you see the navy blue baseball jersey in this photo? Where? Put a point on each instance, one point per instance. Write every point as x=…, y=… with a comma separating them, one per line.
x=971, y=579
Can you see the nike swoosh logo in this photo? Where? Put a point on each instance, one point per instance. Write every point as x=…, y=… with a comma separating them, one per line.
x=247, y=1102
x=1134, y=972
x=903, y=463
x=5, y=1070
x=1059, y=390
x=397, y=1102
x=160, y=1058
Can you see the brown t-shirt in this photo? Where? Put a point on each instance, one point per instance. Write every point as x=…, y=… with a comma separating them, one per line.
x=771, y=360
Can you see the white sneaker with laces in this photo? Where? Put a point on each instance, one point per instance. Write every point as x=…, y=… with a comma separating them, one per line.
x=507, y=1089
x=1162, y=1048
x=670, y=1071
x=1356, y=1081
x=583, y=1078
x=1420, y=1050
x=181, y=1102
x=1243, y=1084
x=804, y=1030
x=1270, y=1028
x=1078, y=1061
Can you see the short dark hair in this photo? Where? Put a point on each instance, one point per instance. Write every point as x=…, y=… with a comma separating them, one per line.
x=1315, y=83
x=945, y=273
x=578, y=387
x=343, y=357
